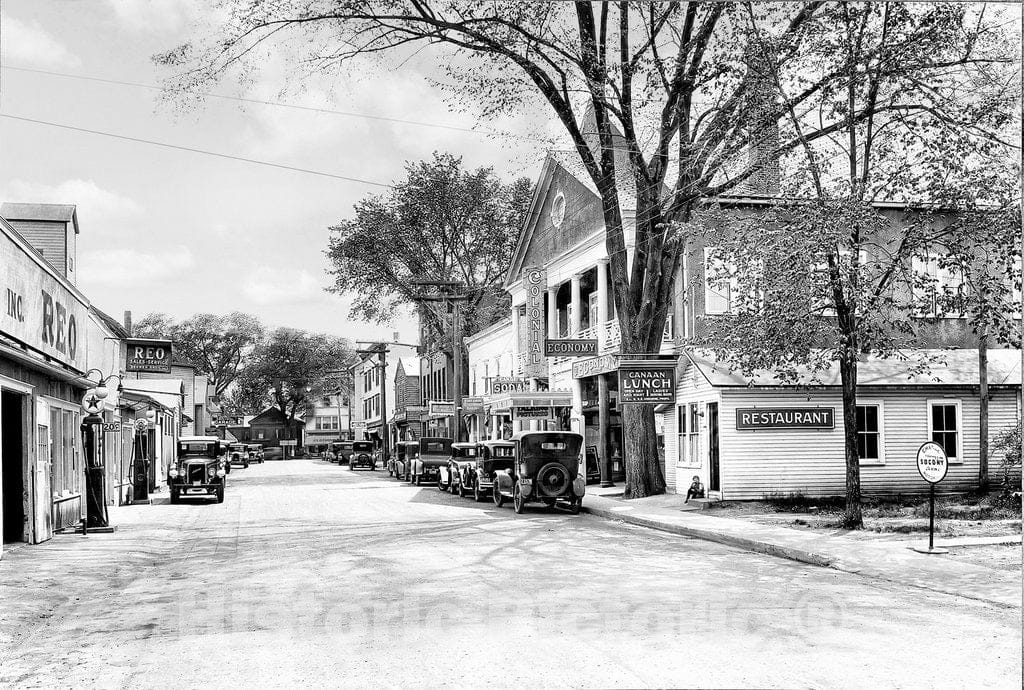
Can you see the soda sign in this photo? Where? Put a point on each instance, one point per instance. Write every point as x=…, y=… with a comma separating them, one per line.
x=647, y=382
x=149, y=355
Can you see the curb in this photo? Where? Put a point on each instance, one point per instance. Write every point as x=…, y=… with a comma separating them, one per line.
x=746, y=543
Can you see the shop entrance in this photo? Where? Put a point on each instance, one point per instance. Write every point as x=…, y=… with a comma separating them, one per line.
x=12, y=460
x=714, y=480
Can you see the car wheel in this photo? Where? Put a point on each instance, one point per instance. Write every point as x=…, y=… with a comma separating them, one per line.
x=499, y=498
x=518, y=502
x=417, y=480
x=441, y=486
x=246, y=465
x=220, y=495
x=175, y=496
x=575, y=504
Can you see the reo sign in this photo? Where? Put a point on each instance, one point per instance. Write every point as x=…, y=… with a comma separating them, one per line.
x=149, y=355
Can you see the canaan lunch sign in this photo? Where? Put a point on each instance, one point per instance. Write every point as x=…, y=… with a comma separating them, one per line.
x=649, y=381
x=149, y=355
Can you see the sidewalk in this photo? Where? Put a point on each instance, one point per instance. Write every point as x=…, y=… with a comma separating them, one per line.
x=886, y=561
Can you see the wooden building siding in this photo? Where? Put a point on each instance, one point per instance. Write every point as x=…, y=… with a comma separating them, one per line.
x=757, y=463
x=48, y=238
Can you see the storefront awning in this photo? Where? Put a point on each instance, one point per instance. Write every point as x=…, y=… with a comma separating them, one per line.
x=512, y=400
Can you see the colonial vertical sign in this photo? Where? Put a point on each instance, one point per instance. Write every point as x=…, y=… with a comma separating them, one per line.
x=647, y=381
x=535, y=282
x=148, y=355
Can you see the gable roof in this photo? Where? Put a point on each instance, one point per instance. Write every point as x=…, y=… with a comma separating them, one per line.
x=59, y=213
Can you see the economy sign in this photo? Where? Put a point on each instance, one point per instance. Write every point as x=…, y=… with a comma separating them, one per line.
x=535, y=281
x=753, y=418
x=584, y=347
x=148, y=355
x=647, y=382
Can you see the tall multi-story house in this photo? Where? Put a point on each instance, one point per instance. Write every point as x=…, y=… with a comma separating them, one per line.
x=372, y=403
x=407, y=421
x=326, y=421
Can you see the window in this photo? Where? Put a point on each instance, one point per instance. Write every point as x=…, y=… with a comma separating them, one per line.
x=870, y=445
x=680, y=433
x=944, y=426
x=719, y=283
x=938, y=290
x=688, y=434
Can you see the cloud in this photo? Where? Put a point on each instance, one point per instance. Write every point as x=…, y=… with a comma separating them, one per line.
x=268, y=285
x=97, y=207
x=130, y=268
x=27, y=44
x=156, y=15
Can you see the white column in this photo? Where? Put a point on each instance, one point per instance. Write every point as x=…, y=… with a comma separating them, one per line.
x=576, y=310
x=553, y=312
x=602, y=301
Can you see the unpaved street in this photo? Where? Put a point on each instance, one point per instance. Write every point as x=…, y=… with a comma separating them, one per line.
x=312, y=575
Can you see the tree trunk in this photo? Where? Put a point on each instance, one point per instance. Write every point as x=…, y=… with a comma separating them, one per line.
x=640, y=455
x=854, y=517
x=983, y=412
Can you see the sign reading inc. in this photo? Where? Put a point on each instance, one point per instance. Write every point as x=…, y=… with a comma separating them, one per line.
x=535, y=282
x=647, y=381
x=753, y=418
x=149, y=355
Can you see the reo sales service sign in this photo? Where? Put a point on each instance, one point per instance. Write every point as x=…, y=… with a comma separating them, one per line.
x=149, y=355
x=38, y=310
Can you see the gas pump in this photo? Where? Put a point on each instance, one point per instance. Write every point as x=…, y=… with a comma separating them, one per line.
x=140, y=463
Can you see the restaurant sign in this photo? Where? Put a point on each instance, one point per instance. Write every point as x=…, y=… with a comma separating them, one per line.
x=585, y=347
x=647, y=381
x=592, y=367
x=503, y=384
x=148, y=355
x=753, y=418
x=535, y=281
x=38, y=310
x=532, y=413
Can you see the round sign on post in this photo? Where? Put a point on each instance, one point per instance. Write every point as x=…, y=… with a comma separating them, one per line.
x=932, y=462
x=91, y=402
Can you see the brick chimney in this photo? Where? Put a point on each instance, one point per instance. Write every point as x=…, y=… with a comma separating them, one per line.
x=128, y=321
x=762, y=124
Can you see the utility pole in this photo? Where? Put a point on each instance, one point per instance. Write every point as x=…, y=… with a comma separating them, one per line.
x=450, y=292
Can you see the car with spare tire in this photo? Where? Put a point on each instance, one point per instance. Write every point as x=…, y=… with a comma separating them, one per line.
x=545, y=468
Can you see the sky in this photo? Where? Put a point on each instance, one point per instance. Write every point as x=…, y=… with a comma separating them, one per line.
x=179, y=232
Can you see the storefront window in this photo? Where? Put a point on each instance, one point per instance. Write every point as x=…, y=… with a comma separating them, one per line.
x=944, y=426
x=869, y=432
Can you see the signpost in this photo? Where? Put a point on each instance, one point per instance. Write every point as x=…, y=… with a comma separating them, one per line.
x=932, y=465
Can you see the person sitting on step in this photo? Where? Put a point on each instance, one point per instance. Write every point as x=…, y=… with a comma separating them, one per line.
x=696, y=490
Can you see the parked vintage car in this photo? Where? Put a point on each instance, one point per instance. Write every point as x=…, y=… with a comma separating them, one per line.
x=452, y=475
x=434, y=454
x=362, y=455
x=342, y=451
x=198, y=468
x=492, y=457
x=546, y=468
x=238, y=454
x=255, y=452
x=405, y=453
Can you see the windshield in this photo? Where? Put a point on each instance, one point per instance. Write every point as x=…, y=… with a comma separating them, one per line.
x=205, y=448
x=464, y=452
x=362, y=447
x=501, y=451
x=435, y=446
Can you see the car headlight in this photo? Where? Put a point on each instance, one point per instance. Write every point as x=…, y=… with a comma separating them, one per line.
x=211, y=472
x=173, y=473
x=220, y=473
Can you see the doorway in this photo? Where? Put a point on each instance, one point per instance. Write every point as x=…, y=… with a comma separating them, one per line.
x=12, y=460
x=714, y=479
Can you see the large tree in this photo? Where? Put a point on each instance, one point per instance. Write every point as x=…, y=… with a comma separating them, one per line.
x=675, y=106
x=292, y=368
x=218, y=346
x=440, y=223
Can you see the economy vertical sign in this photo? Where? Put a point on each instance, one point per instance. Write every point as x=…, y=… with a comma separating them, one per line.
x=535, y=281
x=650, y=381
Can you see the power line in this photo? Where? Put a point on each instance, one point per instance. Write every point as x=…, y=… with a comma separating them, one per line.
x=190, y=149
x=279, y=104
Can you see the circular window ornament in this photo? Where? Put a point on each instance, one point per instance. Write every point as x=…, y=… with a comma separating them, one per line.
x=558, y=210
